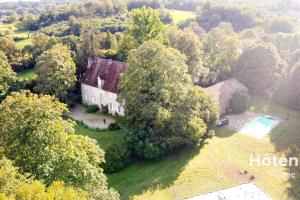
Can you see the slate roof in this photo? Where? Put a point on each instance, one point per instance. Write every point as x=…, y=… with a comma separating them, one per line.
x=222, y=92
x=108, y=70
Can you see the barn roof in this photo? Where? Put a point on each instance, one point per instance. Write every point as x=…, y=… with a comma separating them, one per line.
x=107, y=70
x=222, y=92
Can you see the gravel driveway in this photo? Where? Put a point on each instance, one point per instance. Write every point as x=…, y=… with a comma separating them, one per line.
x=92, y=120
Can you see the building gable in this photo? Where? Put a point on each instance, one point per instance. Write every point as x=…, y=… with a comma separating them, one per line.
x=104, y=73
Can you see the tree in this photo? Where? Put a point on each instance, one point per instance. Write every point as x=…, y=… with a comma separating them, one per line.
x=163, y=110
x=12, y=18
x=88, y=47
x=145, y=25
x=221, y=51
x=288, y=92
x=43, y=144
x=8, y=47
x=188, y=43
x=283, y=25
x=74, y=26
x=240, y=101
x=14, y=185
x=211, y=16
x=28, y=22
x=56, y=72
x=7, y=75
x=117, y=157
x=258, y=68
x=165, y=16
x=128, y=43
x=17, y=58
x=39, y=40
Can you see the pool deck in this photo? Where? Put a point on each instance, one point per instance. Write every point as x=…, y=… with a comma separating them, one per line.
x=239, y=121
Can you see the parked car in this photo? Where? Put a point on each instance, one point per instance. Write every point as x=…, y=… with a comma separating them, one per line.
x=222, y=122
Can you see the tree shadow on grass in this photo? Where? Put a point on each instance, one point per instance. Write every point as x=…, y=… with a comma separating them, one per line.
x=146, y=176
x=223, y=132
x=293, y=173
x=286, y=138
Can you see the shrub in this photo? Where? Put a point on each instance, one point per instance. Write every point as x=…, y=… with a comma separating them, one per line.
x=113, y=126
x=240, y=101
x=73, y=99
x=117, y=157
x=92, y=108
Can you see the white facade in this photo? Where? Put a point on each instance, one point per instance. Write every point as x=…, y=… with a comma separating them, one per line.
x=97, y=96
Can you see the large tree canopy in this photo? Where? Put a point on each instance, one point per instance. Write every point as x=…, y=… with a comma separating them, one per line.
x=14, y=185
x=145, y=25
x=221, y=51
x=288, y=94
x=163, y=109
x=283, y=25
x=43, y=144
x=56, y=72
x=258, y=69
x=7, y=75
x=189, y=44
x=211, y=16
x=8, y=47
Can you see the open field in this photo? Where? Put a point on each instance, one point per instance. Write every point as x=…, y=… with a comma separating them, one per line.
x=26, y=74
x=18, y=33
x=180, y=16
x=217, y=165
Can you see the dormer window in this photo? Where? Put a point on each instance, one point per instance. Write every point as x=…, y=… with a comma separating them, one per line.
x=100, y=82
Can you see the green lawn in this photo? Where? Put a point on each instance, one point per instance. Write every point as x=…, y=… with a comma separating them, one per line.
x=217, y=165
x=180, y=16
x=104, y=138
x=27, y=35
x=26, y=74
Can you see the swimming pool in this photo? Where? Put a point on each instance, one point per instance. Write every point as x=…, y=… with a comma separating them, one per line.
x=260, y=126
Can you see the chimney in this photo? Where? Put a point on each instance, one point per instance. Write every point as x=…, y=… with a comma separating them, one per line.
x=90, y=60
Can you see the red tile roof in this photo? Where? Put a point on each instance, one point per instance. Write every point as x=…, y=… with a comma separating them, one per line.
x=108, y=70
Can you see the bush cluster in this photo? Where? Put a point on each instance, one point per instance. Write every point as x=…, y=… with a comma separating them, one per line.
x=117, y=157
x=92, y=108
x=240, y=101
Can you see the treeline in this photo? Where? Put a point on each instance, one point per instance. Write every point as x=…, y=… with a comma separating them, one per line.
x=187, y=5
x=98, y=8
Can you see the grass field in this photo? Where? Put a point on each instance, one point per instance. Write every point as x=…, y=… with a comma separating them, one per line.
x=18, y=33
x=104, y=138
x=180, y=16
x=26, y=74
x=217, y=165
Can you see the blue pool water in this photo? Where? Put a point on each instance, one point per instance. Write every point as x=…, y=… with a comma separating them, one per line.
x=260, y=126
x=267, y=122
